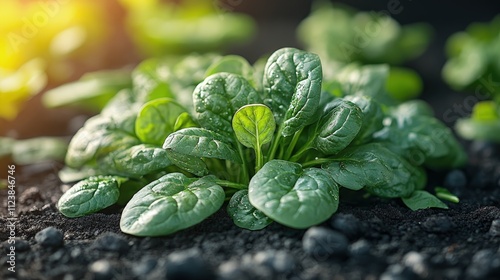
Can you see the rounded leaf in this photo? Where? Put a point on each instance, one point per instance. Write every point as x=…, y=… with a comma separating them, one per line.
x=293, y=196
x=88, y=196
x=156, y=120
x=171, y=203
x=200, y=142
x=292, y=86
x=218, y=97
x=338, y=127
x=254, y=125
x=244, y=214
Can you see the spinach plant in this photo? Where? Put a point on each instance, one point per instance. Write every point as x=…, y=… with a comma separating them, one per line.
x=474, y=66
x=277, y=143
x=341, y=35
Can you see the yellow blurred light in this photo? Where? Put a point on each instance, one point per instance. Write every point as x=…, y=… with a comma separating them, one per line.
x=36, y=38
x=18, y=86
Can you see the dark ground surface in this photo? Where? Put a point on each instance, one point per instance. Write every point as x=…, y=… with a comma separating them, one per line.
x=373, y=239
x=369, y=239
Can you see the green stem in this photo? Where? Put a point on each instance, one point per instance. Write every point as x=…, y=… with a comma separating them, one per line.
x=259, y=161
x=294, y=141
x=275, y=143
x=230, y=184
x=302, y=150
x=245, y=177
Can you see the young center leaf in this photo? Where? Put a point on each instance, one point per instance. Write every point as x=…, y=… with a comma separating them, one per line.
x=254, y=125
x=292, y=88
x=200, y=142
x=218, y=97
x=89, y=195
x=244, y=214
x=156, y=120
x=171, y=203
x=293, y=196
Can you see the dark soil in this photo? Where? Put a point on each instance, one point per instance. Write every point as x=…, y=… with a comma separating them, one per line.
x=368, y=239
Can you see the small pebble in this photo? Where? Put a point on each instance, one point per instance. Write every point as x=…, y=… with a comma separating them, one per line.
x=145, y=266
x=111, y=242
x=398, y=272
x=495, y=228
x=347, y=224
x=21, y=245
x=278, y=261
x=360, y=248
x=260, y=267
x=485, y=264
x=438, y=224
x=50, y=237
x=417, y=263
x=231, y=270
x=188, y=265
x=322, y=243
x=101, y=269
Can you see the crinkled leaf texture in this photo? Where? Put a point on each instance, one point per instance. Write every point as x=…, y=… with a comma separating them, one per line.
x=171, y=203
x=293, y=196
x=218, y=97
x=191, y=164
x=89, y=195
x=372, y=117
x=425, y=139
x=244, y=214
x=292, y=88
x=200, y=142
x=377, y=169
x=136, y=161
x=100, y=136
x=338, y=126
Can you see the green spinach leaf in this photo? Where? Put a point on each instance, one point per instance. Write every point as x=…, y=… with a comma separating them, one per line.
x=218, y=97
x=423, y=200
x=338, y=127
x=136, y=161
x=200, y=142
x=156, y=120
x=375, y=168
x=254, y=126
x=89, y=196
x=293, y=196
x=171, y=203
x=292, y=87
x=244, y=214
